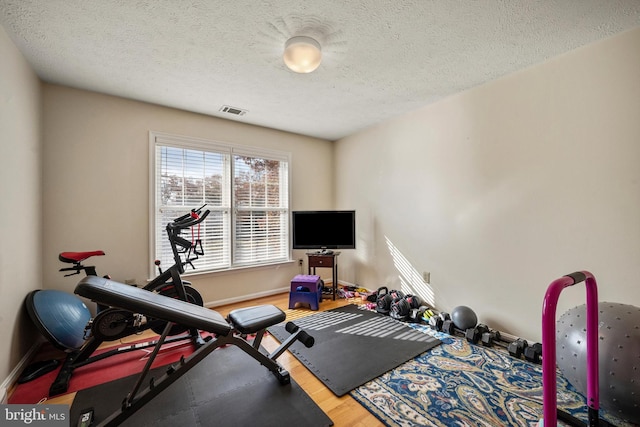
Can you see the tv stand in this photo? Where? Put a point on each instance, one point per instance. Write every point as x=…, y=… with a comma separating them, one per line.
x=325, y=259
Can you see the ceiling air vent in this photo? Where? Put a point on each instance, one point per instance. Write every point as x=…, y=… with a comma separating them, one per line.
x=233, y=110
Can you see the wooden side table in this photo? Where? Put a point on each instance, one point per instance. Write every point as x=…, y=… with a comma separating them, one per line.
x=325, y=260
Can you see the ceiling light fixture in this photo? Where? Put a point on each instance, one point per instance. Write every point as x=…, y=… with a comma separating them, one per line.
x=302, y=54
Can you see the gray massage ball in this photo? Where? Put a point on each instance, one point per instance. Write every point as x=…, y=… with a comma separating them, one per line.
x=618, y=354
x=463, y=317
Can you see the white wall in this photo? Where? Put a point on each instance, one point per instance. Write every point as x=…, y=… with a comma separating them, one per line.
x=502, y=189
x=20, y=216
x=96, y=185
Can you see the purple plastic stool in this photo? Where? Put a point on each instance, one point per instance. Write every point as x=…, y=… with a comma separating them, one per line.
x=310, y=298
x=313, y=296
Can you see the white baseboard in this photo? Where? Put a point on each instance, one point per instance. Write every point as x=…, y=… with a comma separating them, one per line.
x=218, y=303
x=242, y=298
x=15, y=374
x=353, y=285
x=343, y=283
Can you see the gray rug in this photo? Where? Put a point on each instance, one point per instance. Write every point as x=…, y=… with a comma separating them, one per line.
x=228, y=388
x=354, y=345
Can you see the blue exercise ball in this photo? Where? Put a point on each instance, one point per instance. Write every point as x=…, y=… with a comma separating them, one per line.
x=60, y=316
x=618, y=355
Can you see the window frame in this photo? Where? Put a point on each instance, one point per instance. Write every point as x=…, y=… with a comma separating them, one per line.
x=231, y=150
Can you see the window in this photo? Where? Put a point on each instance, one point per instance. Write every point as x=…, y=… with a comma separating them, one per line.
x=246, y=190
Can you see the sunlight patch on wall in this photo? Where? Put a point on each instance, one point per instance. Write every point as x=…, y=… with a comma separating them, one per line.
x=410, y=279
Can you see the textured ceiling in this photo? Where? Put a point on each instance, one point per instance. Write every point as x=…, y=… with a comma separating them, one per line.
x=381, y=58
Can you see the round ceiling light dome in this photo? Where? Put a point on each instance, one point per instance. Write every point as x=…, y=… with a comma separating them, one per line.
x=302, y=54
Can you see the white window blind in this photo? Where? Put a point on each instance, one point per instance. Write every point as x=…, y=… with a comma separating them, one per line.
x=246, y=190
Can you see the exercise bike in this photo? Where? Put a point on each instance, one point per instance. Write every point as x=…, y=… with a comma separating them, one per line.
x=112, y=323
x=47, y=308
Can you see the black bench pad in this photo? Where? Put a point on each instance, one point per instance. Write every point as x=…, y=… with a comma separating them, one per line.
x=253, y=319
x=151, y=304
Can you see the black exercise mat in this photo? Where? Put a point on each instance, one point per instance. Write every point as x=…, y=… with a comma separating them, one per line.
x=228, y=388
x=354, y=345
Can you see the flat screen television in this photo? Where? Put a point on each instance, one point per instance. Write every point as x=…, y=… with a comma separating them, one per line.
x=323, y=229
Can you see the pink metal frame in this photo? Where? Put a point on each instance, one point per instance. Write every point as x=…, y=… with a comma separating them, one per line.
x=549, y=384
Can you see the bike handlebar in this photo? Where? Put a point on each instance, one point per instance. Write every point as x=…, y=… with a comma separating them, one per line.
x=174, y=229
x=190, y=214
x=187, y=220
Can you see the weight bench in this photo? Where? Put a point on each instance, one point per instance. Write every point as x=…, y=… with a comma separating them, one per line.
x=230, y=331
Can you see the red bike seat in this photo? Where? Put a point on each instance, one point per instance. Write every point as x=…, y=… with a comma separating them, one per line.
x=74, y=257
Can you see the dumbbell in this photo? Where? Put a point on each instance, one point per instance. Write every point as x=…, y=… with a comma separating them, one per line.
x=474, y=335
x=516, y=348
x=489, y=338
x=428, y=313
x=436, y=322
x=514, y=345
x=450, y=328
x=422, y=313
x=533, y=353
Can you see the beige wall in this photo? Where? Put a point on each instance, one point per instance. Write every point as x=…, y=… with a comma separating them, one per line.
x=96, y=185
x=20, y=216
x=502, y=189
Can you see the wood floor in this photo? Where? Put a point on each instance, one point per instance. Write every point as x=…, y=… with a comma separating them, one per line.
x=344, y=411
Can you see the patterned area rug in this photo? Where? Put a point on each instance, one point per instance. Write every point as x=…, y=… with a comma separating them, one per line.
x=458, y=384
